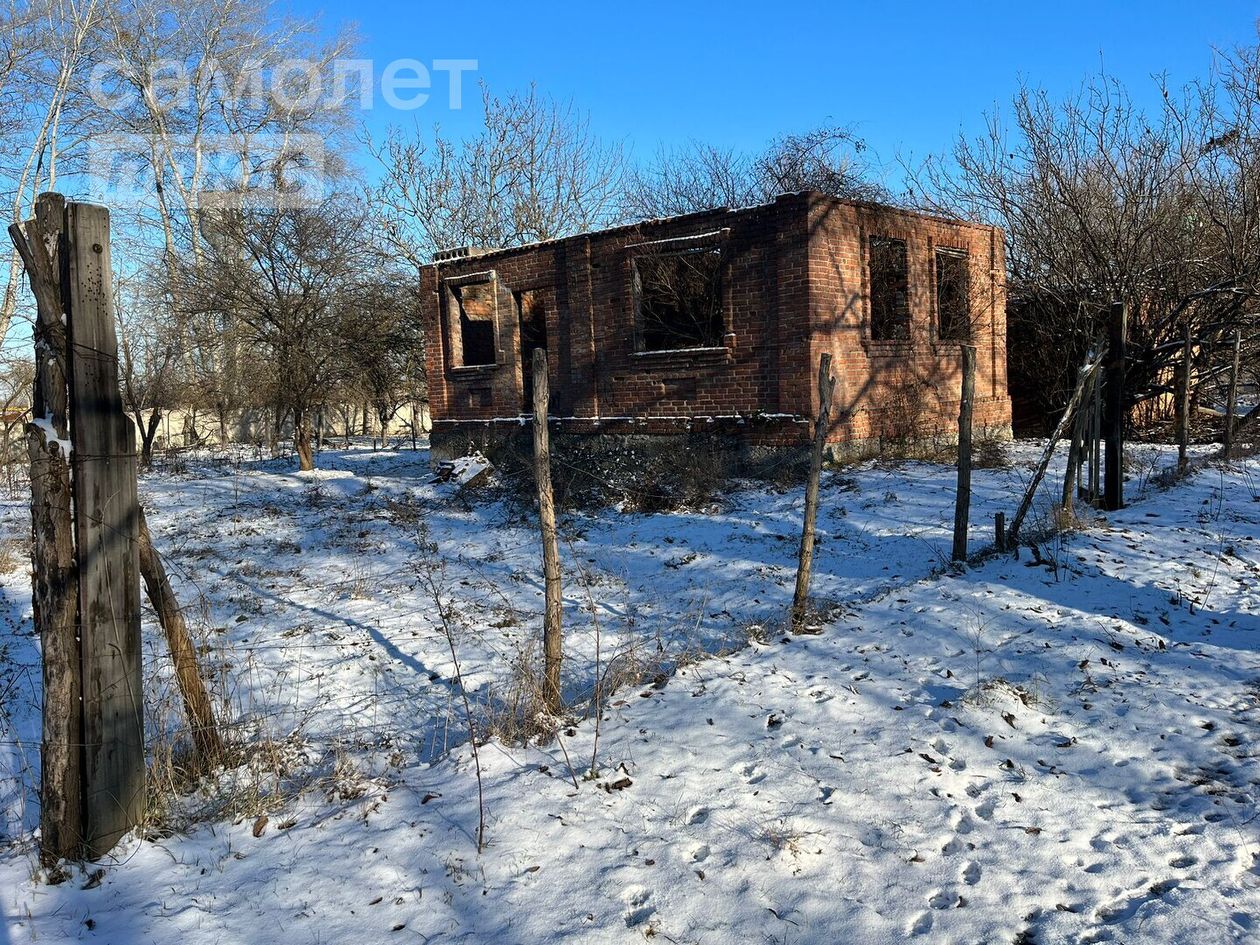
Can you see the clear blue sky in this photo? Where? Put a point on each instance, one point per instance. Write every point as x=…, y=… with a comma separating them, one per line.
x=906, y=76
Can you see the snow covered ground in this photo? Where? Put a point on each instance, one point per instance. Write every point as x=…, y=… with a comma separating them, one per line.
x=1059, y=748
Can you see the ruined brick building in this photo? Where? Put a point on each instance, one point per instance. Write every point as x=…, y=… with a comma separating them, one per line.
x=714, y=323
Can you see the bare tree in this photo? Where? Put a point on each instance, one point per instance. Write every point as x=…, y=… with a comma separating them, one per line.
x=294, y=279
x=148, y=362
x=700, y=176
x=47, y=49
x=1102, y=202
x=535, y=171
x=383, y=347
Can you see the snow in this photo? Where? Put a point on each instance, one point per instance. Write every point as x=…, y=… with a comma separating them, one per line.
x=45, y=425
x=468, y=469
x=678, y=240
x=1059, y=748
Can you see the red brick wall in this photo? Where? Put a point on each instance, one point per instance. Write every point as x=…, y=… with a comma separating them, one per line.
x=887, y=389
x=793, y=287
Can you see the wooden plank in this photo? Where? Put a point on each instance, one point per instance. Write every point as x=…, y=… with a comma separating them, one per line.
x=106, y=533
x=554, y=607
x=805, y=557
x=962, y=500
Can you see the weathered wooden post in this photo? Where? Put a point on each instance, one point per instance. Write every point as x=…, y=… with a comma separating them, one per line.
x=1088, y=373
x=805, y=559
x=1094, y=424
x=90, y=545
x=554, y=605
x=1071, y=474
x=962, y=502
x=107, y=522
x=1231, y=397
x=1183, y=402
x=999, y=532
x=197, y=707
x=1113, y=422
x=54, y=596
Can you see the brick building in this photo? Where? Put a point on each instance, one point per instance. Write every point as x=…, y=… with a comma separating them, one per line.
x=714, y=322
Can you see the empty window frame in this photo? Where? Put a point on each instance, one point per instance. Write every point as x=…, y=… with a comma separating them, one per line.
x=474, y=305
x=953, y=295
x=679, y=298
x=888, y=272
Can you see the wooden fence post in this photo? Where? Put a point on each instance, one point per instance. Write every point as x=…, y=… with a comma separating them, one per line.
x=1113, y=424
x=1231, y=398
x=1094, y=424
x=962, y=502
x=1183, y=403
x=54, y=598
x=1088, y=373
x=106, y=533
x=554, y=609
x=805, y=559
x=197, y=706
x=1071, y=475
x=90, y=542
x=999, y=532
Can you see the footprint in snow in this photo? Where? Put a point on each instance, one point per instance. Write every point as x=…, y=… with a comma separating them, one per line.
x=697, y=815
x=971, y=874
x=751, y=773
x=922, y=925
x=638, y=908
x=944, y=899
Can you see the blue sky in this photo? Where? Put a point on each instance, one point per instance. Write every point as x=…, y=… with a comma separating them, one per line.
x=906, y=76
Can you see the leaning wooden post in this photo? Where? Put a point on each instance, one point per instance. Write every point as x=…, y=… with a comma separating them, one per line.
x=197, y=706
x=1231, y=398
x=962, y=502
x=805, y=560
x=1088, y=374
x=107, y=523
x=1183, y=403
x=1113, y=423
x=552, y=641
x=54, y=598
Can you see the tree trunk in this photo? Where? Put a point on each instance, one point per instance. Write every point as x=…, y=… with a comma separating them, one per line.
x=302, y=440
x=273, y=437
x=148, y=433
x=1231, y=398
x=221, y=410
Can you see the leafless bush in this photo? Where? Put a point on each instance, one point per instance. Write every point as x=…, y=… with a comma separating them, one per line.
x=1103, y=201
